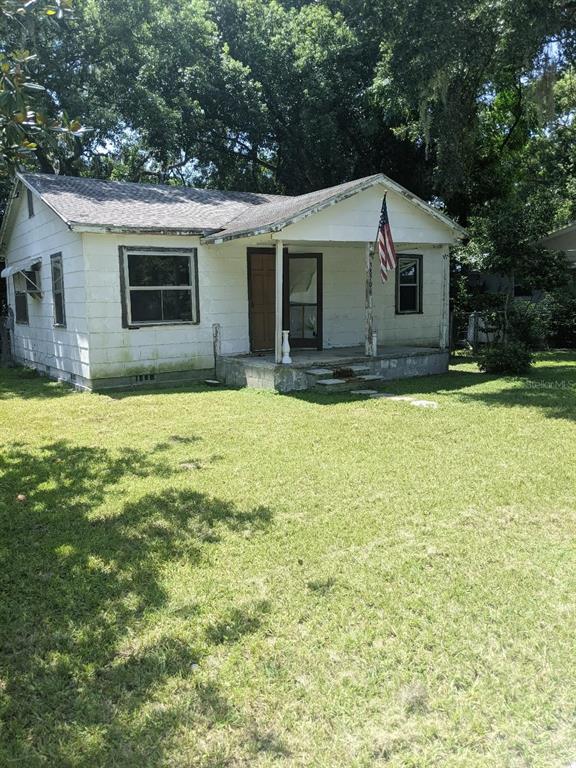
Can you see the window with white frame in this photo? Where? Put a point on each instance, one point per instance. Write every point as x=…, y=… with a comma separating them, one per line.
x=409, y=284
x=58, y=289
x=20, y=299
x=160, y=286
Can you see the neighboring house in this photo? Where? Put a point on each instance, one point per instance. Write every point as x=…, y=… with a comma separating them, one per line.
x=563, y=239
x=113, y=284
x=494, y=283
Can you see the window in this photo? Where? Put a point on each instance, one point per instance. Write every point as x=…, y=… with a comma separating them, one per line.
x=58, y=289
x=409, y=285
x=30, y=199
x=20, y=299
x=160, y=286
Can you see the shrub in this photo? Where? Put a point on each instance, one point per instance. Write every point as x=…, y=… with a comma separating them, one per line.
x=529, y=323
x=511, y=357
x=561, y=307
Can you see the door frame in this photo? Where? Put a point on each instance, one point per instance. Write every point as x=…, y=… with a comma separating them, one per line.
x=249, y=253
x=303, y=343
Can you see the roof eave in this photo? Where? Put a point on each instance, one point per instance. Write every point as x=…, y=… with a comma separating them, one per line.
x=8, y=215
x=77, y=226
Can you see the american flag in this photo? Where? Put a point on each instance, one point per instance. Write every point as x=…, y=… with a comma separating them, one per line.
x=386, y=249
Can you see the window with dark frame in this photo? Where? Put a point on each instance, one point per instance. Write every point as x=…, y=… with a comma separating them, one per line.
x=20, y=299
x=409, y=284
x=30, y=199
x=58, y=290
x=160, y=286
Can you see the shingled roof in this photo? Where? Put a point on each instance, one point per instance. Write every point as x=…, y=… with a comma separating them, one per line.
x=95, y=205
x=117, y=205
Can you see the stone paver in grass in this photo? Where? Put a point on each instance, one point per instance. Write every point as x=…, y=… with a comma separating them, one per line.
x=404, y=398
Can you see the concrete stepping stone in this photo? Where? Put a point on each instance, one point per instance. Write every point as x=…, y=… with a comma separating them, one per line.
x=407, y=399
x=390, y=396
x=320, y=371
x=367, y=392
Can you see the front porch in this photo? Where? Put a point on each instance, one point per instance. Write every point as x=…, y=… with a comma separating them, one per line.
x=330, y=370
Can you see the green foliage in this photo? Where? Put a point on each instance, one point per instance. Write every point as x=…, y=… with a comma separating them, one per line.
x=468, y=104
x=528, y=323
x=510, y=357
x=31, y=124
x=561, y=309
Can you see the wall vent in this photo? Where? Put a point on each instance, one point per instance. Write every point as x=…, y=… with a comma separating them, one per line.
x=142, y=378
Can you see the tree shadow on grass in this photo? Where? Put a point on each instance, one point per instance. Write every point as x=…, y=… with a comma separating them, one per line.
x=79, y=676
x=25, y=383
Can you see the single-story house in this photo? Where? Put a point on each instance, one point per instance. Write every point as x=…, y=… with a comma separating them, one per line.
x=113, y=284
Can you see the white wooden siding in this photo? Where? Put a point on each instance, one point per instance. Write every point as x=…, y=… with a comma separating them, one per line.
x=356, y=220
x=117, y=351
x=344, y=296
x=61, y=352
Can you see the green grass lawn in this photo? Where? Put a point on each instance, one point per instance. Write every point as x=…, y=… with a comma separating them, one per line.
x=200, y=578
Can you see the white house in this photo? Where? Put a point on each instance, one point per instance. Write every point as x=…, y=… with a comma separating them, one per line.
x=113, y=284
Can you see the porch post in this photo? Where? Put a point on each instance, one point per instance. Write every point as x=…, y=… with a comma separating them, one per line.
x=369, y=307
x=279, y=277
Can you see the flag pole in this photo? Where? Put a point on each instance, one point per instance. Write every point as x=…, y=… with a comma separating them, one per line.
x=369, y=305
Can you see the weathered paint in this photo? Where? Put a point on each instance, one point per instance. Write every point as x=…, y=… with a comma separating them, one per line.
x=59, y=352
x=95, y=347
x=356, y=220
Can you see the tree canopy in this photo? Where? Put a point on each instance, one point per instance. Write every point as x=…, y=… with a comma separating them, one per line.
x=469, y=103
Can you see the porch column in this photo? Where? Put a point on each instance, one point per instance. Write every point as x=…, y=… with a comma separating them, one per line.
x=279, y=277
x=369, y=306
x=445, y=322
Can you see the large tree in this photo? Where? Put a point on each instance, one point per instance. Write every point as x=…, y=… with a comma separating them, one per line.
x=453, y=99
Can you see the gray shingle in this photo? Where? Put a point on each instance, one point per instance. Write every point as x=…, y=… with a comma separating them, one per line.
x=91, y=202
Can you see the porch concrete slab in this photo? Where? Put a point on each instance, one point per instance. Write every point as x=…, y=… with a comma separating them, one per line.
x=337, y=355
x=317, y=368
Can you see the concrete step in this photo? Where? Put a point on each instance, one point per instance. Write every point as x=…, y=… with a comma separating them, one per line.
x=356, y=384
x=331, y=382
x=319, y=371
x=342, y=378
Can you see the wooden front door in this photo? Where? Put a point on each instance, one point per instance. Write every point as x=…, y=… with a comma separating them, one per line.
x=261, y=298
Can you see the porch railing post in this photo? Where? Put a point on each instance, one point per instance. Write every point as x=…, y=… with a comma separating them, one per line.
x=369, y=306
x=279, y=277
